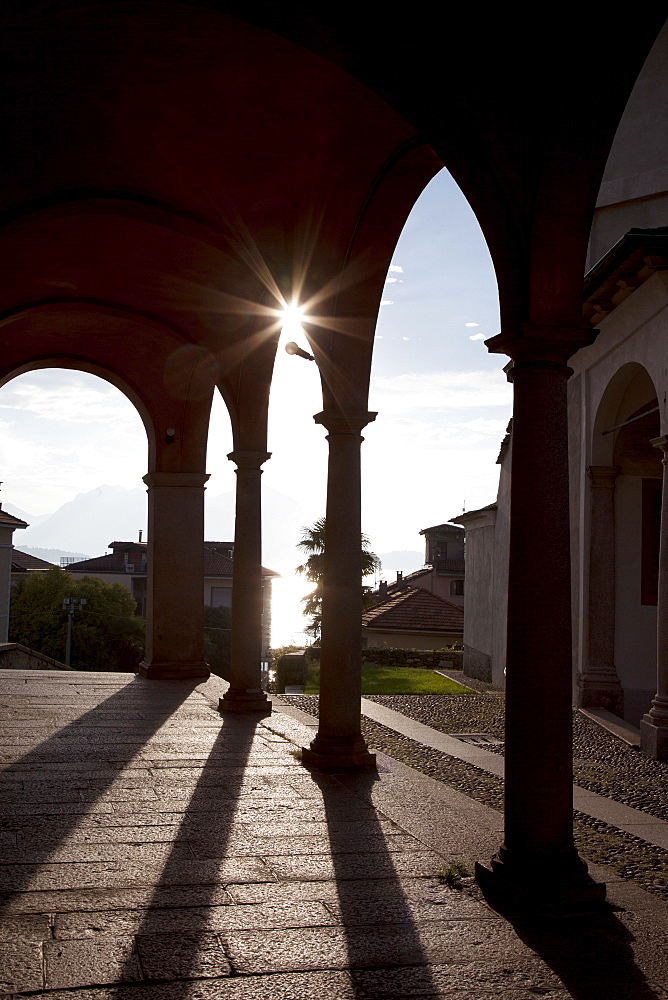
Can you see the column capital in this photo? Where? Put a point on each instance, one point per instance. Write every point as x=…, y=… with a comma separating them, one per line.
x=344, y=421
x=532, y=345
x=249, y=459
x=170, y=480
x=603, y=476
x=662, y=443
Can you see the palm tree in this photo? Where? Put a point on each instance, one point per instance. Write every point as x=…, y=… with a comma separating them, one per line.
x=313, y=544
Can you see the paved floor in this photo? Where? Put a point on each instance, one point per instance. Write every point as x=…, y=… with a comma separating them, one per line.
x=151, y=849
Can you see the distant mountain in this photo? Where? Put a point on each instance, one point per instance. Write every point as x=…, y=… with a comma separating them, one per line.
x=51, y=555
x=32, y=519
x=403, y=561
x=90, y=521
x=85, y=526
x=282, y=523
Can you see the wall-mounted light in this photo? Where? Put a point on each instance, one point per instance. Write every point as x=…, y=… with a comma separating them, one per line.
x=170, y=435
x=292, y=348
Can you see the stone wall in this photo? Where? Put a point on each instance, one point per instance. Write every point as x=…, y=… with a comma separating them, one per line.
x=14, y=656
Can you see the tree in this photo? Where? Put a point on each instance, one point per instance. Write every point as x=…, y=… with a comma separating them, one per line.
x=313, y=544
x=106, y=634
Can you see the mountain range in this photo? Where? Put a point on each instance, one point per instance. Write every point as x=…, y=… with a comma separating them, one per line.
x=85, y=526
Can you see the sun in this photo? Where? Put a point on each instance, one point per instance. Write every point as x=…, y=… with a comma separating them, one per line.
x=291, y=318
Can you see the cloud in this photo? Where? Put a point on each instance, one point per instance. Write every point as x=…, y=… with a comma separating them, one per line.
x=387, y=302
x=477, y=336
x=440, y=392
x=471, y=324
x=393, y=281
x=397, y=267
x=405, y=338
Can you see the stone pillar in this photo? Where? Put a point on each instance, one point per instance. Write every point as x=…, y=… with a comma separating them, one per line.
x=599, y=683
x=654, y=725
x=8, y=524
x=538, y=865
x=339, y=742
x=175, y=570
x=245, y=693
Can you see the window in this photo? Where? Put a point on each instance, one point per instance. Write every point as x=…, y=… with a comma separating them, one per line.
x=221, y=597
x=456, y=588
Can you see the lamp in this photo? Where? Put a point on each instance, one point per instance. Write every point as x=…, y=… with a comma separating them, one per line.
x=292, y=348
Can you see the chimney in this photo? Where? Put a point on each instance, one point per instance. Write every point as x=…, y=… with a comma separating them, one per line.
x=382, y=589
x=400, y=576
x=140, y=534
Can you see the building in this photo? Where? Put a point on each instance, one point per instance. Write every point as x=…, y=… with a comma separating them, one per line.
x=23, y=562
x=127, y=564
x=617, y=449
x=443, y=572
x=8, y=525
x=177, y=173
x=413, y=618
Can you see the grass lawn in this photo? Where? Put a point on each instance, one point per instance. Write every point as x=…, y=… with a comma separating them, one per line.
x=394, y=680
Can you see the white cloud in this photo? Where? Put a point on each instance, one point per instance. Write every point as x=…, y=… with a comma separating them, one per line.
x=477, y=336
x=397, y=267
x=392, y=281
x=386, y=302
x=405, y=338
x=471, y=324
x=440, y=392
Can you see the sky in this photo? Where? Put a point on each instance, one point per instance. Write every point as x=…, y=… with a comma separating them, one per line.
x=443, y=403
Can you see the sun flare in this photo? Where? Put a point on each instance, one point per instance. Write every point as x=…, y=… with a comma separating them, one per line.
x=291, y=320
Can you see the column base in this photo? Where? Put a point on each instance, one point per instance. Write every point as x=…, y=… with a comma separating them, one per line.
x=561, y=887
x=338, y=755
x=653, y=738
x=173, y=671
x=239, y=701
x=602, y=692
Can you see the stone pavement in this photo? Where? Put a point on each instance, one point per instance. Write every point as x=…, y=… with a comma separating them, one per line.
x=154, y=850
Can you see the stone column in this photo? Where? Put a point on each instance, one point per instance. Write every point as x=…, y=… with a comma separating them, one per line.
x=599, y=683
x=654, y=725
x=175, y=570
x=245, y=692
x=538, y=865
x=339, y=742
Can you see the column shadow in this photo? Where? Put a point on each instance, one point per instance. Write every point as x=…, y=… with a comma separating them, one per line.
x=590, y=952
x=381, y=933
x=175, y=941
x=93, y=749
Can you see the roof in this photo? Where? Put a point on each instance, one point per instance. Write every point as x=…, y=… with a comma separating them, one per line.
x=446, y=528
x=415, y=610
x=22, y=562
x=628, y=264
x=10, y=520
x=217, y=561
x=469, y=515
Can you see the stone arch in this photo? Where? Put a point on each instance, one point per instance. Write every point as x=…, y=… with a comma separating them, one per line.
x=625, y=505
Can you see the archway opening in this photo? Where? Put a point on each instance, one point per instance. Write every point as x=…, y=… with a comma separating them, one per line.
x=627, y=422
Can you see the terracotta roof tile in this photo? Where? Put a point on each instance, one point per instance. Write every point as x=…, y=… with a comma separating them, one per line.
x=15, y=522
x=415, y=609
x=23, y=561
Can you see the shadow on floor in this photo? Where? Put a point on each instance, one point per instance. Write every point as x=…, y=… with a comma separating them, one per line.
x=591, y=953
x=378, y=922
x=57, y=784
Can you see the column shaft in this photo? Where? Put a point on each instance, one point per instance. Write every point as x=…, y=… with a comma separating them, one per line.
x=654, y=725
x=245, y=693
x=339, y=741
x=538, y=859
x=599, y=683
x=175, y=570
